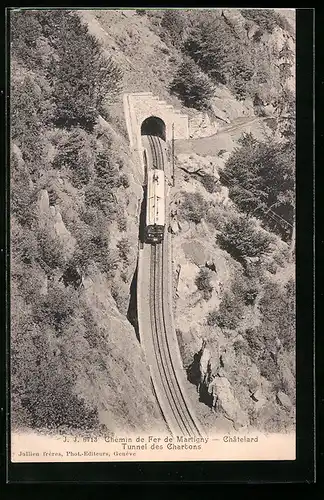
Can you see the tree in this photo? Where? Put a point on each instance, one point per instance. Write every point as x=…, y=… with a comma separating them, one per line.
x=124, y=248
x=173, y=24
x=221, y=55
x=28, y=116
x=267, y=19
x=192, y=86
x=77, y=153
x=260, y=177
x=25, y=30
x=83, y=77
x=241, y=238
x=286, y=53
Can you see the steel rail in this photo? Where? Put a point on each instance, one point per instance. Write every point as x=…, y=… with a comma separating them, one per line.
x=179, y=406
x=157, y=326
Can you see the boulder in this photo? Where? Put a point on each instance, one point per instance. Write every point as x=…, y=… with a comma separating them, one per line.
x=225, y=401
x=43, y=201
x=195, y=252
x=174, y=227
x=284, y=400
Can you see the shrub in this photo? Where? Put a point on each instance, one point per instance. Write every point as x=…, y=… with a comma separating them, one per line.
x=277, y=307
x=246, y=288
x=22, y=195
x=51, y=249
x=124, y=248
x=56, y=308
x=217, y=216
x=192, y=86
x=229, y=314
x=76, y=153
x=28, y=118
x=124, y=181
x=209, y=182
x=241, y=238
x=194, y=207
x=121, y=300
x=122, y=222
x=203, y=283
x=107, y=174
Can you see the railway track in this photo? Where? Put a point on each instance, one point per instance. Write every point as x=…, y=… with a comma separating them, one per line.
x=183, y=421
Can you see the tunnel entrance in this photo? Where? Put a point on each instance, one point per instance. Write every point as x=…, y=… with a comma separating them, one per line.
x=154, y=126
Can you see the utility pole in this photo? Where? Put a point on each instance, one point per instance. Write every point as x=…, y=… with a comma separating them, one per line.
x=173, y=175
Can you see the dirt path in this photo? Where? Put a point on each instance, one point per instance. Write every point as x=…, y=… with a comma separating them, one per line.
x=225, y=138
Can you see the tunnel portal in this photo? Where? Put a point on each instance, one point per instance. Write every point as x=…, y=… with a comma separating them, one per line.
x=154, y=126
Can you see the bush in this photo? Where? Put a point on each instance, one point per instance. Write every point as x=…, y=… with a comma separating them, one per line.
x=217, y=216
x=203, y=283
x=122, y=222
x=56, y=308
x=241, y=238
x=192, y=86
x=277, y=307
x=124, y=248
x=22, y=195
x=230, y=313
x=209, y=182
x=76, y=153
x=194, y=207
x=51, y=250
x=124, y=181
x=29, y=112
x=246, y=288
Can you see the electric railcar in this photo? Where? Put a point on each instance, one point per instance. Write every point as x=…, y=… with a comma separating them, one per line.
x=155, y=207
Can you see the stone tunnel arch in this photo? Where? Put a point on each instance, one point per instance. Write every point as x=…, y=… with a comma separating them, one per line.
x=154, y=125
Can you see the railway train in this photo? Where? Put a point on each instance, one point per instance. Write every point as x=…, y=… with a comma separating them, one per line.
x=155, y=206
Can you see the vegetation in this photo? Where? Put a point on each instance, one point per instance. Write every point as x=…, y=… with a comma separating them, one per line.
x=203, y=282
x=173, y=25
x=230, y=312
x=266, y=19
x=241, y=237
x=60, y=81
x=260, y=177
x=224, y=58
x=192, y=86
x=76, y=153
x=194, y=207
x=210, y=183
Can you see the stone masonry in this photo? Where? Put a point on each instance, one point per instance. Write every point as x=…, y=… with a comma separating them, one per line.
x=142, y=105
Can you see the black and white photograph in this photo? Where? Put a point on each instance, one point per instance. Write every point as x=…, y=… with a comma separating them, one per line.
x=152, y=234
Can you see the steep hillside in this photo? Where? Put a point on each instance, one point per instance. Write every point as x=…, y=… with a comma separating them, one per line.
x=76, y=192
